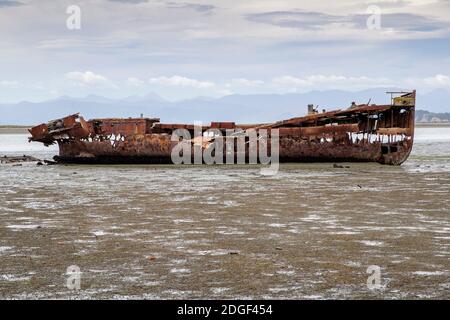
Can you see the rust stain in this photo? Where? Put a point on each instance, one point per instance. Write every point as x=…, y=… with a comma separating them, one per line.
x=377, y=133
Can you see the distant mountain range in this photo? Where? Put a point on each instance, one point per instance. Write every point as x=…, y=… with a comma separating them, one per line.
x=423, y=116
x=239, y=108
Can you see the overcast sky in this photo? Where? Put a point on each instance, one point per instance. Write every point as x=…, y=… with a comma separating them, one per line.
x=183, y=49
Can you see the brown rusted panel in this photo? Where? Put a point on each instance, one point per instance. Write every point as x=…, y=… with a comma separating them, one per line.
x=84, y=127
x=120, y=126
x=138, y=146
x=167, y=126
x=366, y=108
x=38, y=132
x=175, y=126
x=223, y=125
x=78, y=129
x=295, y=149
x=69, y=121
x=72, y=125
x=318, y=130
x=300, y=120
x=394, y=131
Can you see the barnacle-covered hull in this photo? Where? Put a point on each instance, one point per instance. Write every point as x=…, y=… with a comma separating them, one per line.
x=362, y=133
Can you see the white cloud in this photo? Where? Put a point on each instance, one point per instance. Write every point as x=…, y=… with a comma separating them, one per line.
x=291, y=81
x=264, y=39
x=434, y=82
x=88, y=78
x=135, y=82
x=182, y=82
x=9, y=84
x=330, y=82
x=438, y=80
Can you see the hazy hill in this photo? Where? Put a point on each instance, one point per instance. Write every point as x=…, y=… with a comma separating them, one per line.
x=426, y=117
x=239, y=108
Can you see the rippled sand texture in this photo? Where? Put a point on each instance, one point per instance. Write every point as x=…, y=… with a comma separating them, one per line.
x=227, y=232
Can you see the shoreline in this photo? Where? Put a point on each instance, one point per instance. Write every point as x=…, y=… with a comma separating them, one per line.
x=432, y=124
x=13, y=129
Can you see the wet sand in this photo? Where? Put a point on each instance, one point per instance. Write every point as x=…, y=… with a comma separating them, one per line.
x=226, y=231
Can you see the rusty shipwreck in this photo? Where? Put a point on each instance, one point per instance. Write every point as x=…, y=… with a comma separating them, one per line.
x=363, y=133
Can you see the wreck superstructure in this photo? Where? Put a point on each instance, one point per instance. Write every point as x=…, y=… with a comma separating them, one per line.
x=367, y=132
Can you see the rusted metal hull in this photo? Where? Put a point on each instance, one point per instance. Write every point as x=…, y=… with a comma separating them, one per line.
x=291, y=150
x=149, y=148
x=364, y=133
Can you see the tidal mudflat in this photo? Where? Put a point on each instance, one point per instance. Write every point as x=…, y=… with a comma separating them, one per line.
x=311, y=231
